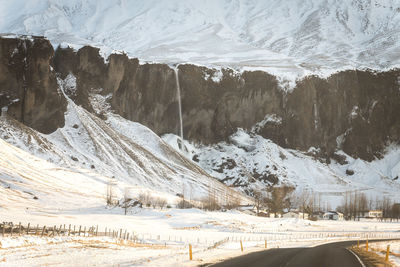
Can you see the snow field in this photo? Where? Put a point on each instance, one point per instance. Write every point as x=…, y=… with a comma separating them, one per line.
x=164, y=236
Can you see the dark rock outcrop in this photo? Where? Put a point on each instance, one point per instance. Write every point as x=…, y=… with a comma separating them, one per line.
x=351, y=110
x=28, y=86
x=356, y=111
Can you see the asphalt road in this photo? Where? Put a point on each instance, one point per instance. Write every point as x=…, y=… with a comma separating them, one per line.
x=328, y=255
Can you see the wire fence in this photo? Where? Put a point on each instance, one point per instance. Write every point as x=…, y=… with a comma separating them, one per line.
x=181, y=237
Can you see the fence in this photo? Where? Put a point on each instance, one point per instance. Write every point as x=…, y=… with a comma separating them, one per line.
x=10, y=229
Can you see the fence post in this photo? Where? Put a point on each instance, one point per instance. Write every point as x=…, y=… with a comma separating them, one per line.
x=387, y=253
x=4, y=229
x=69, y=230
x=37, y=229
x=80, y=227
x=190, y=252
x=97, y=230
x=44, y=228
x=366, y=246
x=358, y=243
x=11, y=231
x=27, y=229
x=241, y=245
x=265, y=244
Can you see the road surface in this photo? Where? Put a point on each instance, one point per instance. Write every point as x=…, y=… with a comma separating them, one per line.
x=327, y=255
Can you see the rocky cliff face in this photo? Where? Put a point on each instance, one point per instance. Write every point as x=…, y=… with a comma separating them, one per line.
x=356, y=111
x=28, y=86
x=353, y=110
x=213, y=108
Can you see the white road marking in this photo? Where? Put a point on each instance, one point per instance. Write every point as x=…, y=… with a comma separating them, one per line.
x=358, y=258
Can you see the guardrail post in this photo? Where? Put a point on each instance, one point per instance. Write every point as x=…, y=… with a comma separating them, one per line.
x=387, y=253
x=190, y=252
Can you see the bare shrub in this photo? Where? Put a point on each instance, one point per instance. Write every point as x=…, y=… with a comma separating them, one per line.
x=184, y=204
x=146, y=199
x=161, y=202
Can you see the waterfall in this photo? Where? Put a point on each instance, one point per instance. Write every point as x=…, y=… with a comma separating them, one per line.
x=24, y=82
x=178, y=92
x=4, y=111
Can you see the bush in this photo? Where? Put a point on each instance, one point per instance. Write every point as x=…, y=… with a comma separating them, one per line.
x=149, y=201
x=184, y=204
x=161, y=202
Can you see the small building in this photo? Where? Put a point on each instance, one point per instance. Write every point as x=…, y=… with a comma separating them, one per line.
x=372, y=214
x=333, y=215
x=295, y=214
x=319, y=215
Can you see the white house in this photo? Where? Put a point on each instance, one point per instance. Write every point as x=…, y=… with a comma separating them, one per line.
x=333, y=215
x=373, y=214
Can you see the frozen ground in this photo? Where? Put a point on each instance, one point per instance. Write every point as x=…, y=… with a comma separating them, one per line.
x=166, y=235
x=288, y=38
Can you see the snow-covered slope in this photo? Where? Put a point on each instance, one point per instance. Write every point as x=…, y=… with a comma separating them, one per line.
x=295, y=37
x=250, y=162
x=131, y=153
x=28, y=182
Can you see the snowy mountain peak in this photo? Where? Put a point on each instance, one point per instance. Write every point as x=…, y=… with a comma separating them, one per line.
x=284, y=37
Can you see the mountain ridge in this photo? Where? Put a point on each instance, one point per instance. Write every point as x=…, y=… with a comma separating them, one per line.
x=286, y=38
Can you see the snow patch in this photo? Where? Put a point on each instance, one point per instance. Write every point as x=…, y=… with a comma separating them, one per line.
x=216, y=76
x=269, y=118
x=68, y=84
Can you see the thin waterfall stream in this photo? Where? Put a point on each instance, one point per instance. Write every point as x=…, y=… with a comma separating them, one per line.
x=178, y=92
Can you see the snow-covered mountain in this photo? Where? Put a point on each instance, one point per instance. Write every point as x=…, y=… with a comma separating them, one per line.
x=284, y=37
x=353, y=111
